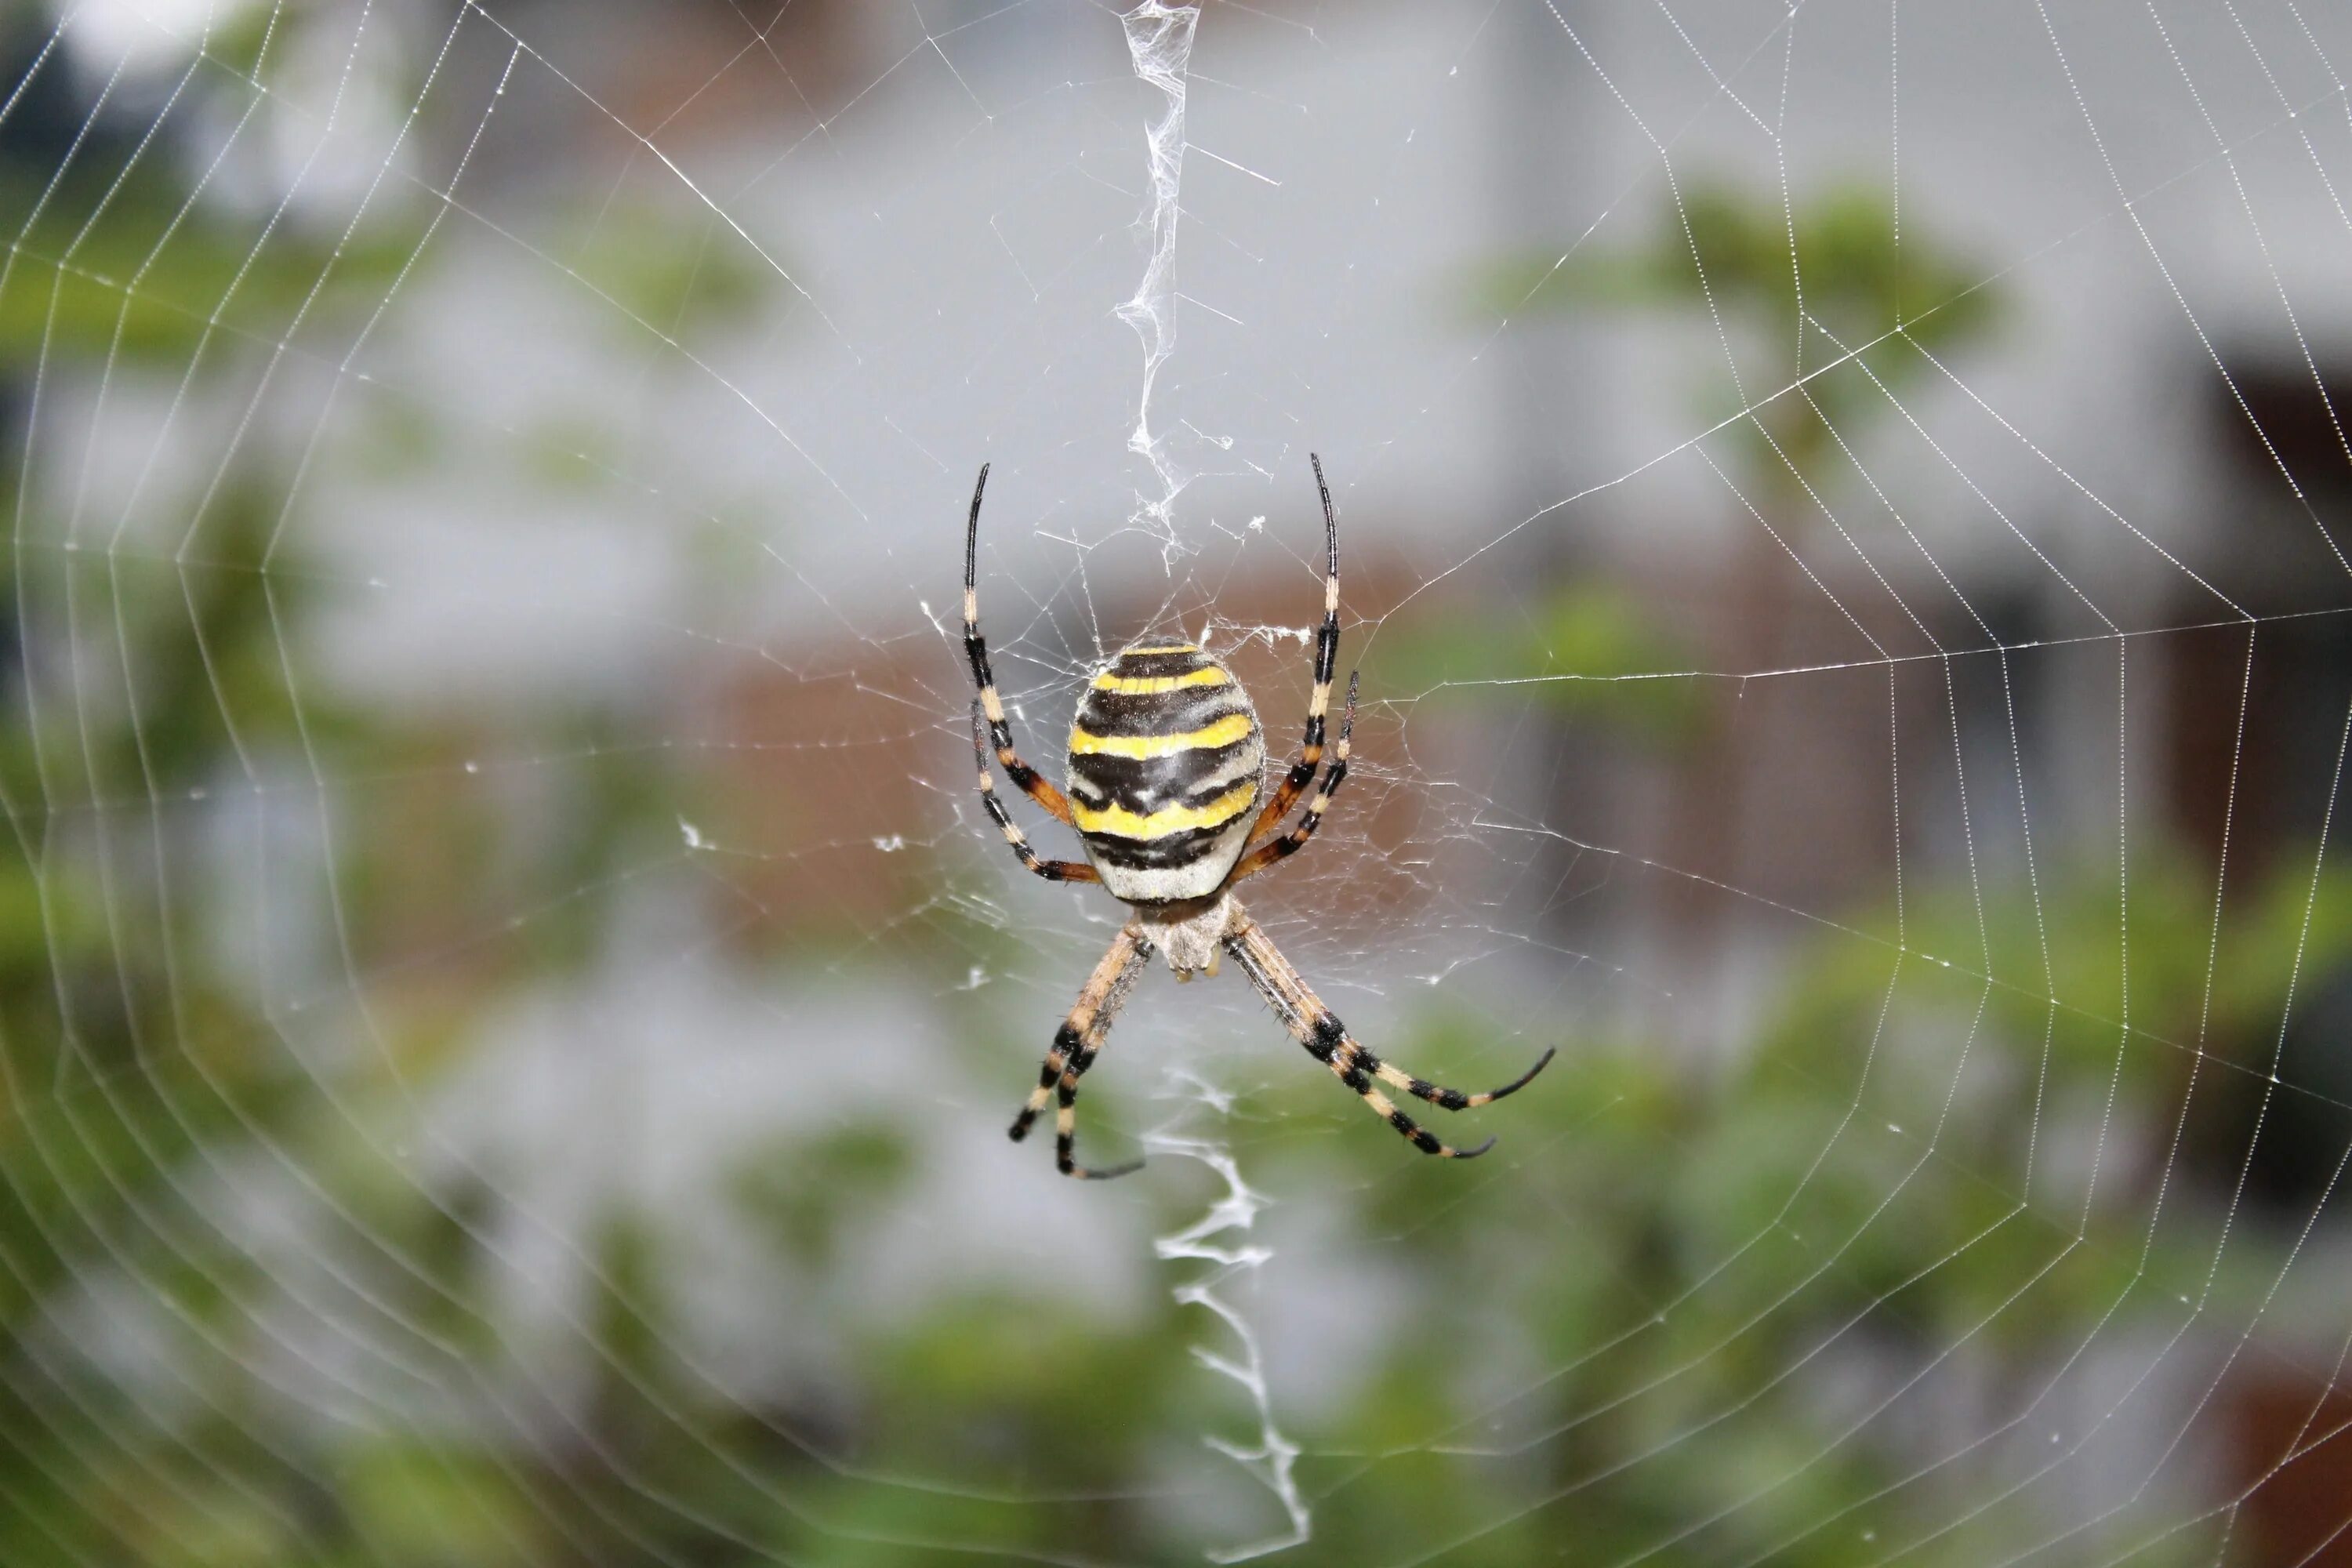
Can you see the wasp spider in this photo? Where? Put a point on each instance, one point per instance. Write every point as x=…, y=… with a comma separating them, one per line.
x=1164, y=763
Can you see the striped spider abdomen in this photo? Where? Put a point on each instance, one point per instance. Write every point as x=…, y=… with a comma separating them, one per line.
x=1164, y=771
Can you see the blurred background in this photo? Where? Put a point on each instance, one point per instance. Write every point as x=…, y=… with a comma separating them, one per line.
x=508, y=1005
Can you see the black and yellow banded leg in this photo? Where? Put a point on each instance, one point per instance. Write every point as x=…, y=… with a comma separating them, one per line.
x=1331, y=1042
x=1326, y=659
x=1052, y=870
x=1076, y=1045
x=1292, y=842
x=1100, y=1000
x=975, y=647
x=1326, y=1039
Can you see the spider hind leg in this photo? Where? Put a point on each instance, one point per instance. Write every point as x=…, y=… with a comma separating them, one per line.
x=1076, y=1044
x=1314, y=1026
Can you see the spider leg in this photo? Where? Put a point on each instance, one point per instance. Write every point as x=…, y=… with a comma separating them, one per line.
x=1076, y=1045
x=1326, y=1039
x=1052, y=870
x=1024, y=777
x=1327, y=659
x=1292, y=842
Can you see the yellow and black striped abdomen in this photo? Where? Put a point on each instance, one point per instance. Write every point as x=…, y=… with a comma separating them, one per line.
x=1163, y=772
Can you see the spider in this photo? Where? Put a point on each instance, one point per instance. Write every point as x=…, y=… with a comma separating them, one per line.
x=1164, y=766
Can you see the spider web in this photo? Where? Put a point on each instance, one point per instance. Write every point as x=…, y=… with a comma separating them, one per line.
x=512, y=1005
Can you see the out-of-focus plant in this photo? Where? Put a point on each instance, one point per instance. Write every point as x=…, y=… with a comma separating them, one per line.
x=1710, y=1280
x=135, y=1071
x=142, y=1080
x=1828, y=320
x=1825, y=312
x=1829, y=313
x=1587, y=650
x=117, y=256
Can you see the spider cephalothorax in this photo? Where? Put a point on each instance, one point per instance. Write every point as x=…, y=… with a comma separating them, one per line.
x=1164, y=769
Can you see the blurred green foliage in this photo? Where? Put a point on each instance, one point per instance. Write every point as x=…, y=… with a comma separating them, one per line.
x=684, y=288
x=1828, y=316
x=1590, y=651
x=1826, y=336
x=132, y=270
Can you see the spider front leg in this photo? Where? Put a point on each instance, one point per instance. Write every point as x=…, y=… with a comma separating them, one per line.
x=1076, y=1045
x=1052, y=870
x=1292, y=842
x=1314, y=1025
x=1327, y=660
x=975, y=647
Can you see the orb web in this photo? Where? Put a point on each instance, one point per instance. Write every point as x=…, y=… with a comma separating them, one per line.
x=511, y=1003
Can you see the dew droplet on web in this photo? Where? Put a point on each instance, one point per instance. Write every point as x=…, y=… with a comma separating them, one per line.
x=691, y=834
